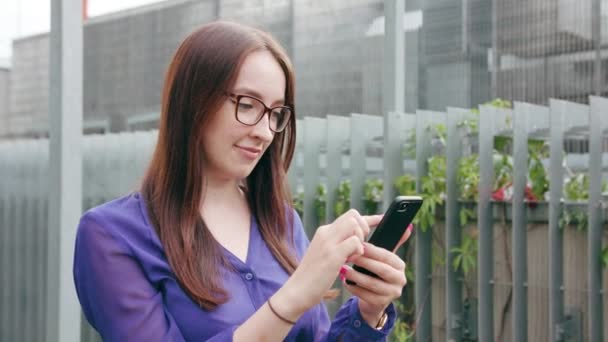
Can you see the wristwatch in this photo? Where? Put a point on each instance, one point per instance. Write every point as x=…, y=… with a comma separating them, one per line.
x=382, y=322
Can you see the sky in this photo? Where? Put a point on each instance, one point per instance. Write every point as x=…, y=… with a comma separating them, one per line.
x=19, y=18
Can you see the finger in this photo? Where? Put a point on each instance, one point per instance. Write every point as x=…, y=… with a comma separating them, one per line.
x=363, y=225
x=349, y=247
x=376, y=286
x=367, y=296
x=373, y=220
x=346, y=226
x=384, y=256
x=370, y=297
x=386, y=272
x=406, y=236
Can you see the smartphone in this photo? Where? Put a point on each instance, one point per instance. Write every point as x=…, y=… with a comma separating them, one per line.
x=392, y=227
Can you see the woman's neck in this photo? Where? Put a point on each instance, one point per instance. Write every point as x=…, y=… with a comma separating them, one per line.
x=218, y=193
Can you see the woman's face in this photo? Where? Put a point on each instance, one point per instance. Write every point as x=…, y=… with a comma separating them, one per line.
x=232, y=149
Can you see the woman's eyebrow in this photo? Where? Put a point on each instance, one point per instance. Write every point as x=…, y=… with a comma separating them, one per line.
x=254, y=93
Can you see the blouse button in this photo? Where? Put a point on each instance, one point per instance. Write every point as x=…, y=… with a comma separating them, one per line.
x=357, y=323
x=248, y=276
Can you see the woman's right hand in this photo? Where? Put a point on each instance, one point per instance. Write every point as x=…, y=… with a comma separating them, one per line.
x=331, y=247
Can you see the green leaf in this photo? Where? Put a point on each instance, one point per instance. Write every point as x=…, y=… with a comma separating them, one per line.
x=320, y=203
x=342, y=198
x=406, y=185
x=604, y=256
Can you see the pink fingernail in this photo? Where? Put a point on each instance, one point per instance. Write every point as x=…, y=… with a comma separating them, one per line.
x=342, y=277
x=343, y=271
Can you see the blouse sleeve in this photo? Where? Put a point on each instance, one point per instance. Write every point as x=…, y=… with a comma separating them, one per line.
x=115, y=295
x=348, y=324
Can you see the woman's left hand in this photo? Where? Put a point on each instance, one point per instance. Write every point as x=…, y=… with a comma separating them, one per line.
x=376, y=294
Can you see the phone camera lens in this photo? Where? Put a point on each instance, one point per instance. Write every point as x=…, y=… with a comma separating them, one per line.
x=402, y=206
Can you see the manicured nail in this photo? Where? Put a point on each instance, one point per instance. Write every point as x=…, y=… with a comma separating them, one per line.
x=342, y=277
x=343, y=271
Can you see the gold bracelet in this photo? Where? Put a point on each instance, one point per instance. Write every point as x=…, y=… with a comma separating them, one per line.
x=382, y=322
x=277, y=314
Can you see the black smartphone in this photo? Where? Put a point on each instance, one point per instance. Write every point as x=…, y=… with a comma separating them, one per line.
x=392, y=226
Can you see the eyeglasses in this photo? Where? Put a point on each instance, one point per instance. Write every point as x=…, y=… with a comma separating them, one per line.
x=250, y=110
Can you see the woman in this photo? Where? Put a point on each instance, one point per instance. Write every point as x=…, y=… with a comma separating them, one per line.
x=210, y=249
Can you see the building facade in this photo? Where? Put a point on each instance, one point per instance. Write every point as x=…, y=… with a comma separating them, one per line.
x=458, y=53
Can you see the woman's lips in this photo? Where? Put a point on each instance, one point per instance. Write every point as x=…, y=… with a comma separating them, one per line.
x=251, y=153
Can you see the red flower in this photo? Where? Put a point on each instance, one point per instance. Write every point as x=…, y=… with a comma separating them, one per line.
x=530, y=197
x=499, y=194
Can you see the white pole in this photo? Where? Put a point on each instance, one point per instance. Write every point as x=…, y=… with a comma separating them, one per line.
x=65, y=168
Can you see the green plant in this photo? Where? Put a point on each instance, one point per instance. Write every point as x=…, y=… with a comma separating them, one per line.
x=604, y=256
x=465, y=215
x=576, y=218
x=576, y=188
x=465, y=256
x=298, y=203
x=433, y=191
x=503, y=169
x=468, y=177
x=537, y=174
x=372, y=195
x=409, y=147
x=405, y=185
x=402, y=331
x=342, y=198
x=320, y=203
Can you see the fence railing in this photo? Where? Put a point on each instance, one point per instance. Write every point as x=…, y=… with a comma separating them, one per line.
x=487, y=266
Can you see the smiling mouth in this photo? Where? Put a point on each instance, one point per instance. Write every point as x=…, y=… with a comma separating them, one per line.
x=250, y=152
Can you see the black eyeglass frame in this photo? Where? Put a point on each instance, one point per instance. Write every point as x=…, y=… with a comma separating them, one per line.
x=267, y=110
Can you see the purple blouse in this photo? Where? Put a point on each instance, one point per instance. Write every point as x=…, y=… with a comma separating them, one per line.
x=128, y=291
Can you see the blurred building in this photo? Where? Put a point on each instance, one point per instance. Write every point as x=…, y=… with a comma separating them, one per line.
x=549, y=49
x=540, y=49
x=4, y=89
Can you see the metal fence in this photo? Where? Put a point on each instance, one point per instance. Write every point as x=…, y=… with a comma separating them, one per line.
x=532, y=276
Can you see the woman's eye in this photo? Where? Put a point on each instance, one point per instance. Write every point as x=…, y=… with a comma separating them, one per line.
x=245, y=106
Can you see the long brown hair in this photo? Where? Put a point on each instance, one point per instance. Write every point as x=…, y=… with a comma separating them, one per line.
x=205, y=65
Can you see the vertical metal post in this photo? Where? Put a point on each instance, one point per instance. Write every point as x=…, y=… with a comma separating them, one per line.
x=393, y=86
x=453, y=235
x=40, y=238
x=526, y=117
x=519, y=237
x=358, y=137
x=485, y=223
x=65, y=171
x=596, y=32
x=393, y=153
x=314, y=133
x=556, y=276
x=4, y=239
x=338, y=133
x=294, y=169
x=423, y=239
x=598, y=124
x=362, y=128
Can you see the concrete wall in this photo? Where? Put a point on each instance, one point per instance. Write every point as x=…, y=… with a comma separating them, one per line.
x=29, y=97
x=338, y=65
x=5, y=74
x=329, y=53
